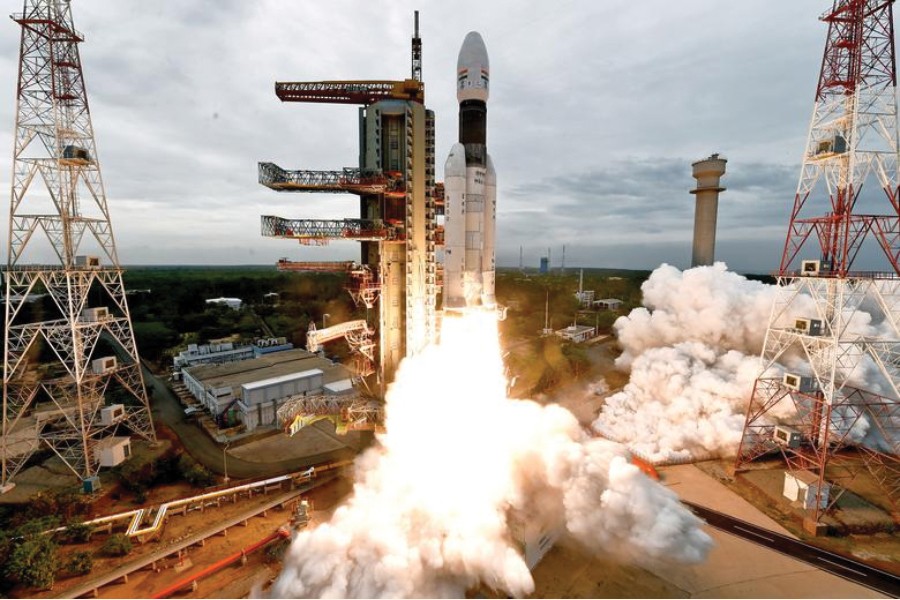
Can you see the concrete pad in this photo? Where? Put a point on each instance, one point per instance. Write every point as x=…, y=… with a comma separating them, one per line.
x=693, y=485
x=315, y=439
x=52, y=474
x=737, y=568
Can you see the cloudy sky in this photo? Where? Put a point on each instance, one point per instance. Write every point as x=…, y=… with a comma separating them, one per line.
x=597, y=110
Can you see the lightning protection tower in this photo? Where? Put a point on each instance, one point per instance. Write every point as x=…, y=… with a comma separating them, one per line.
x=68, y=348
x=834, y=411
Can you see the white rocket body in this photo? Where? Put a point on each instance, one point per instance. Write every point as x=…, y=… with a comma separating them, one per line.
x=470, y=190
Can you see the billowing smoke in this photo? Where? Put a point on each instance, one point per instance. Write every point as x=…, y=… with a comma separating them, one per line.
x=709, y=305
x=693, y=351
x=460, y=469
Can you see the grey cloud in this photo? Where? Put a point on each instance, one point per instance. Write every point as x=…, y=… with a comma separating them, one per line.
x=596, y=111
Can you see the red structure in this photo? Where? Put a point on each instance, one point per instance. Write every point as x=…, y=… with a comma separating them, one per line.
x=852, y=137
x=835, y=411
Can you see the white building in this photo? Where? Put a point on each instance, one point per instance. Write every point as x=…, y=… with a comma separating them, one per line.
x=585, y=298
x=112, y=451
x=802, y=486
x=225, y=352
x=533, y=537
x=252, y=390
x=608, y=304
x=208, y=354
x=576, y=333
x=232, y=303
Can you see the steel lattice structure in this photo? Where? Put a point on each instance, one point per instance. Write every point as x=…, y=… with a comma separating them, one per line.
x=349, y=413
x=325, y=229
x=850, y=383
x=351, y=92
x=348, y=180
x=61, y=402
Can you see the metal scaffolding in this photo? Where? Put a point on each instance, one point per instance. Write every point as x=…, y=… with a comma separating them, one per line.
x=849, y=381
x=55, y=382
x=325, y=229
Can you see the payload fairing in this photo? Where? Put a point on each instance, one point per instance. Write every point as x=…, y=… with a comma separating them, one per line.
x=470, y=189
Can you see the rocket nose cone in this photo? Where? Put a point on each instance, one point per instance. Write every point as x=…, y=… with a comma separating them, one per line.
x=472, y=69
x=473, y=51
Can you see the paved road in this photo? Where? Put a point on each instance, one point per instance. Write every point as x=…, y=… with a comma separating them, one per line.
x=168, y=410
x=857, y=572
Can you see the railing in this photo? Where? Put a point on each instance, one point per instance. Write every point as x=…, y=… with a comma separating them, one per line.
x=830, y=274
x=349, y=92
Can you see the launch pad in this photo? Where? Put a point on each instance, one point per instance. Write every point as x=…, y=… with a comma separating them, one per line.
x=397, y=227
x=400, y=202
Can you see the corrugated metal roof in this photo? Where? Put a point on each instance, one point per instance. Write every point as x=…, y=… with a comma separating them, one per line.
x=266, y=366
x=255, y=385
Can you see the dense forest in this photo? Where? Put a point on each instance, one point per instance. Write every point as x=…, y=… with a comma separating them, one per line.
x=169, y=309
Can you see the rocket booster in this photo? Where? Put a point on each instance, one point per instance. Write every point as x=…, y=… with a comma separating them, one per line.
x=470, y=189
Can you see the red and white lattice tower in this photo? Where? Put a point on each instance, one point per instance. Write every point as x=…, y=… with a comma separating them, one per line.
x=71, y=371
x=827, y=398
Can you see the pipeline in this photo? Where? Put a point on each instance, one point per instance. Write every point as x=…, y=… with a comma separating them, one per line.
x=190, y=580
x=136, y=516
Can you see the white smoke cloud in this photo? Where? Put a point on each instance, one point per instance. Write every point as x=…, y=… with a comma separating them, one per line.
x=432, y=510
x=682, y=401
x=710, y=305
x=693, y=351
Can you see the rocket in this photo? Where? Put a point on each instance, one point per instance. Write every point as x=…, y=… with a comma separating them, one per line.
x=470, y=189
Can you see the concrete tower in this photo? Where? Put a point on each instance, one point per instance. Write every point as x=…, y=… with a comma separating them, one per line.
x=707, y=172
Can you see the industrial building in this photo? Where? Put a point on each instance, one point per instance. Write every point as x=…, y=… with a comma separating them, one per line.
x=576, y=333
x=585, y=298
x=607, y=304
x=251, y=391
x=232, y=303
x=214, y=354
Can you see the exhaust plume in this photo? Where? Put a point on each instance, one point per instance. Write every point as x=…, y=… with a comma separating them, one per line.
x=693, y=352
x=434, y=503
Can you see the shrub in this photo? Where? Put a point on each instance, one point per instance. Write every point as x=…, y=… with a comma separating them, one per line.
x=118, y=544
x=195, y=473
x=275, y=551
x=80, y=563
x=33, y=562
x=79, y=533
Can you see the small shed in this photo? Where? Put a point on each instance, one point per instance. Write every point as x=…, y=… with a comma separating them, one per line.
x=112, y=451
x=802, y=487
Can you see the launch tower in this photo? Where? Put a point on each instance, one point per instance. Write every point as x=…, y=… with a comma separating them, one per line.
x=846, y=395
x=396, y=227
x=68, y=342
